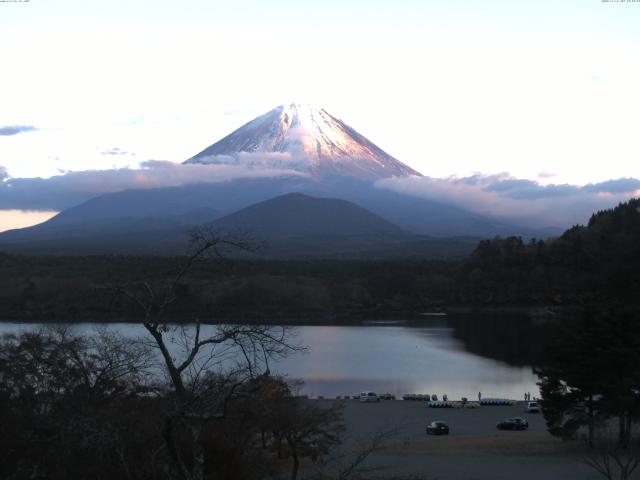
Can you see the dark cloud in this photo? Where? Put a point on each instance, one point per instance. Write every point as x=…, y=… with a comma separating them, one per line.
x=526, y=189
x=510, y=185
x=520, y=200
x=534, y=190
x=287, y=160
x=148, y=164
x=63, y=191
x=502, y=196
x=115, y=151
x=621, y=185
x=15, y=129
x=507, y=186
x=479, y=179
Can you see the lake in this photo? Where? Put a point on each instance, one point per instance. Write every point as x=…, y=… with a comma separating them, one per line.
x=393, y=356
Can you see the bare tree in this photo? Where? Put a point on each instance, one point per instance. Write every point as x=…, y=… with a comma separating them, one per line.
x=66, y=403
x=205, y=364
x=350, y=462
x=613, y=461
x=310, y=430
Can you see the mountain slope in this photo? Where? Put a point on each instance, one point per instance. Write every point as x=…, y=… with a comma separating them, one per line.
x=594, y=267
x=298, y=215
x=114, y=220
x=305, y=139
x=291, y=226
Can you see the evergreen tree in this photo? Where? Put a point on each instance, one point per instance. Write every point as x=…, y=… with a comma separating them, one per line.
x=590, y=372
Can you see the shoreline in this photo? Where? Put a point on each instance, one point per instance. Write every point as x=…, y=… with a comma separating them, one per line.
x=355, y=318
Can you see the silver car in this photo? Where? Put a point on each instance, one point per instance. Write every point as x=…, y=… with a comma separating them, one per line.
x=366, y=397
x=533, y=407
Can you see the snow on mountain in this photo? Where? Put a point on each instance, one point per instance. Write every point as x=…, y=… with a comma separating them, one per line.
x=305, y=139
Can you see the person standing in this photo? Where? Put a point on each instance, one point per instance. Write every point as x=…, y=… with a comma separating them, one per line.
x=479, y=397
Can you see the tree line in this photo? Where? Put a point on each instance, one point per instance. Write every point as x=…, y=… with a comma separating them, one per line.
x=595, y=263
x=587, y=264
x=71, y=289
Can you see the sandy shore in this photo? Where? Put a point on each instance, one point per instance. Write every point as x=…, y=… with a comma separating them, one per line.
x=475, y=449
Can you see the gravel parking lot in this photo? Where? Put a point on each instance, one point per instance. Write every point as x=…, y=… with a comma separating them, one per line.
x=361, y=418
x=475, y=449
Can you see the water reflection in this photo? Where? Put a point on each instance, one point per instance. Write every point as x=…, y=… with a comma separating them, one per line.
x=431, y=356
x=401, y=358
x=515, y=339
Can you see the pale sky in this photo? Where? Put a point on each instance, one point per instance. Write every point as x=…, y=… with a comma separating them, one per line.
x=545, y=90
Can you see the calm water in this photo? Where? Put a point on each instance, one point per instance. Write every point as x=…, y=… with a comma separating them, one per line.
x=392, y=357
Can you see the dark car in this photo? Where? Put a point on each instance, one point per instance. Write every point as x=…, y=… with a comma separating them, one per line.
x=513, y=423
x=438, y=428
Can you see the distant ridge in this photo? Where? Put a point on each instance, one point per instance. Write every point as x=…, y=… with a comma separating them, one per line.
x=290, y=226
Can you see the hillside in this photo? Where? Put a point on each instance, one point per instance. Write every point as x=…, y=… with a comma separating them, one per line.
x=137, y=213
x=598, y=262
x=288, y=226
x=299, y=215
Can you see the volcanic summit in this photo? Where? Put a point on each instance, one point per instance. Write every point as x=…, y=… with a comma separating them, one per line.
x=306, y=139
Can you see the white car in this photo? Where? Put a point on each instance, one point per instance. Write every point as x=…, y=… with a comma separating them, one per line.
x=533, y=407
x=369, y=397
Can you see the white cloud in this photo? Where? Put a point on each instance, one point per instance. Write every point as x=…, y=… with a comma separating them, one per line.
x=63, y=191
x=518, y=200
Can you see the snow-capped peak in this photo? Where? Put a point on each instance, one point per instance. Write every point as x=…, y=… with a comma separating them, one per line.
x=303, y=138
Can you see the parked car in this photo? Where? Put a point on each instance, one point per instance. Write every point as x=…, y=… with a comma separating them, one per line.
x=513, y=423
x=533, y=407
x=438, y=427
x=369, y=397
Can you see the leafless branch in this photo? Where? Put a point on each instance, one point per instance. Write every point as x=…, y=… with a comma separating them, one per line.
x=612, y=461
x=350, y=463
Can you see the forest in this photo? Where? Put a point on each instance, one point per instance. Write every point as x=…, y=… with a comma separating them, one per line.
x=595, y=263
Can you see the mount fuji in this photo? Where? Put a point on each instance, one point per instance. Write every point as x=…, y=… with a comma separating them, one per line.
x=325, y=159
x=306, y=139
